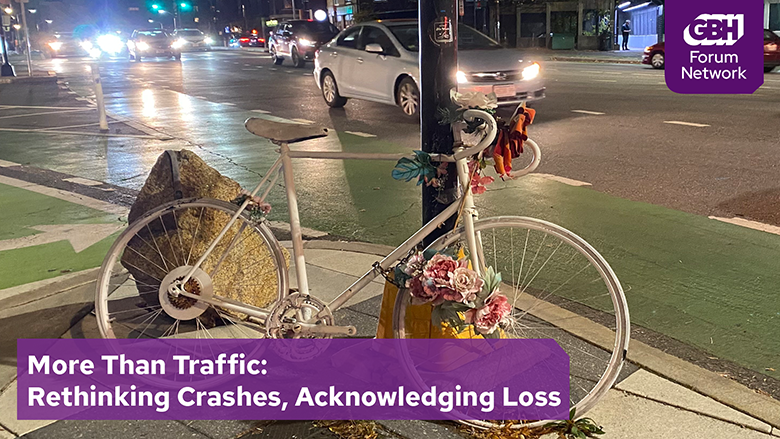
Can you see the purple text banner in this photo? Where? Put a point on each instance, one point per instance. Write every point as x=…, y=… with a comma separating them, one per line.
x=292, y=379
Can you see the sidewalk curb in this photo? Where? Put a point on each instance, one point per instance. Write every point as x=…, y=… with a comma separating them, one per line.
x=35, y=79
x=594, y=60
x=705, y=382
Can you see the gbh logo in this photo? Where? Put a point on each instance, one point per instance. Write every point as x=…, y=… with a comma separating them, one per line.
x=715, y=29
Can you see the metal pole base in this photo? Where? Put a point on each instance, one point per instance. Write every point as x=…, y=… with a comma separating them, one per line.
x=7, y=70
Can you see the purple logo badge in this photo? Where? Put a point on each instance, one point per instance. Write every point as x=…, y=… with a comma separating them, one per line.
x=714, y=46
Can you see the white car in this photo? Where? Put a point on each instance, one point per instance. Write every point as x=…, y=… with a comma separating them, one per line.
x=378, y=61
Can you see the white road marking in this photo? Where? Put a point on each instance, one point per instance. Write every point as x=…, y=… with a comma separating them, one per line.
x=273, y=69
x=81, y=133
x=359, y=134
x=755, y=225
x=44, y=113
x=687, y=124
x=261, y=111
x=66, y=196
x=259, y=67
x=605, y=80
x=7, y=164
x=303, y=121
x=32, y=286
x=228, y=103
x=68, y=126
x=38, y=107
x=593, y=113
x=563, y=180
x=199, y=97
x=80, y=236
x=83, y=181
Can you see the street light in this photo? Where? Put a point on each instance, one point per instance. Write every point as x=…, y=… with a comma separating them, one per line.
x=32, y=11
x=17, y=26
x=8, y=10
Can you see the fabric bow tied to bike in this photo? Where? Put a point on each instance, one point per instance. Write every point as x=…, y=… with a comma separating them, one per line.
x=510, y=141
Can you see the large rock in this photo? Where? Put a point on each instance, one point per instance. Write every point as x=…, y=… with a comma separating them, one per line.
x=247, y=273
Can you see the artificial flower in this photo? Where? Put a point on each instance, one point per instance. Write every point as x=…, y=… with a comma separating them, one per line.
x=474, y=99
x=439, y=268
x=466, y=283
x=487, y=318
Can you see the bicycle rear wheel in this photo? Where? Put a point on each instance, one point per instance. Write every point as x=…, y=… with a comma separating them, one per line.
x=247, y=266
x=560, y=288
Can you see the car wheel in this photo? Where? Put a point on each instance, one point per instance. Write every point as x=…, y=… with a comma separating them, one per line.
x=330, y=91
x=408, y=98
x=657, y=60
x=276, y=58
x=296, y=58
x=768, y=69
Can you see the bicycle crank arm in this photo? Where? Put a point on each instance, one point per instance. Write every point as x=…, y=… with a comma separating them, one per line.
x=310, y=329
x=250, y=311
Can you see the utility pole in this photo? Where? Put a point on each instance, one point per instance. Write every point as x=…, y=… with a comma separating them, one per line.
x=293, y=9
x=26, y=37
x=438, y=29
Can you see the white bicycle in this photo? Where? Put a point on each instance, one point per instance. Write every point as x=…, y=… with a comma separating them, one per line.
x=204, y=268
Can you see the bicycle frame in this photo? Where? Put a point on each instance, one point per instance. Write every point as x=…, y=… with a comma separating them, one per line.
x=284, y=165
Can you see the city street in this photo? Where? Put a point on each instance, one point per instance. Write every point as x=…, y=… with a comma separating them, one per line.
x=679, y=193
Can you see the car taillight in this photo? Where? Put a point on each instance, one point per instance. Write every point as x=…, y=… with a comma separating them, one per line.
x=262, y=40
x=243, y=39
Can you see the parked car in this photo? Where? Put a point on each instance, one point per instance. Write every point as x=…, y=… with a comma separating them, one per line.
x=378, y=61
x=654, y=55
x=192, y=39
x=771, y=51
x=299, y=40
x=153, y=43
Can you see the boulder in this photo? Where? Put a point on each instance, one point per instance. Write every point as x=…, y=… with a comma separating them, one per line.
x=246, y=274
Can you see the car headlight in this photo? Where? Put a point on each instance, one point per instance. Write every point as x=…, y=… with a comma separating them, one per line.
x=461, y=77
x=648, y=48
x=142, y=46
x=305, y=42
x=178, y=44
x=110, y=44
x=86, y=45
x=208, y=40
x=531, y=71
x=55, y=45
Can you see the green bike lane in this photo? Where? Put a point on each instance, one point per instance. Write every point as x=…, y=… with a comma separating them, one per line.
x=706, y=283
x=46, y=233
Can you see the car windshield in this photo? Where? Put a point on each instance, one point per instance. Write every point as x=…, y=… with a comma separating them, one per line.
x=468, y=38
x=318, y=28
x=189, y=33
x=152, y=35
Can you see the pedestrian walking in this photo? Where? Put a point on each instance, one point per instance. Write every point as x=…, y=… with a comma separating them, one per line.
x=626, y=31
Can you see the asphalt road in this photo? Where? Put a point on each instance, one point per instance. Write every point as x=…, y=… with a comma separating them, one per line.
x=604, y=124
x=705, y=283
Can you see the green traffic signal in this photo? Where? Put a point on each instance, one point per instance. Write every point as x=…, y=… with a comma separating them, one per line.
x=184, y=6
x=155, y=6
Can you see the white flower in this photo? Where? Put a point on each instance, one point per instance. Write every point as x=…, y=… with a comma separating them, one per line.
x=474, y=99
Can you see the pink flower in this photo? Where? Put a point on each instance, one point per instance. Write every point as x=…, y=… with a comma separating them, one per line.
x=466, y=283
x=479, y=184
x=423, y=290
x=487, y=318
x=439, y=268
x=415, y=264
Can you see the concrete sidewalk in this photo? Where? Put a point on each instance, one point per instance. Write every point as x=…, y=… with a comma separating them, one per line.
x=643, y=405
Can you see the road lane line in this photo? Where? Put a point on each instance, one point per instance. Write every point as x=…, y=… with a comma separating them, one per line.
x=302, y=121
x=755, y=225
x=7, y=164
x=359, y=134
x=687, y=124
x=81, y=133
x=605, y=80
x=564, y=180
x=45, y=113
x=593, y=113
x=71, y=197
x=262, y=111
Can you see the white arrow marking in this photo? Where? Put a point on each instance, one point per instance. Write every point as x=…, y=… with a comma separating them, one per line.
x=81, y=236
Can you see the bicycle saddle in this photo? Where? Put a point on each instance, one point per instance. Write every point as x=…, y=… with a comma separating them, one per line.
x=279, y=132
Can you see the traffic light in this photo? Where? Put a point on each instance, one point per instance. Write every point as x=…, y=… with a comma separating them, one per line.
x=155, y=6
x=184, y=6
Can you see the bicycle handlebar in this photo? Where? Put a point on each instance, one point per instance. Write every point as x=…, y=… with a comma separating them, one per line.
x=492, y=131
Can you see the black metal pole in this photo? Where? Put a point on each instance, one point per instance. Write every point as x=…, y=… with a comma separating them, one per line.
x=438, y=24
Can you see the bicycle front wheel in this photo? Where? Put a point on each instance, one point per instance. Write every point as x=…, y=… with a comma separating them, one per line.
x=247, y=266
x=560, y=287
